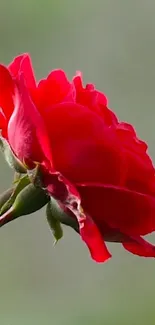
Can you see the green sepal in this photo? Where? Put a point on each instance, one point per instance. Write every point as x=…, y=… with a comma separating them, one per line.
x=17, y=177
x=29, y=200
x=62, y=216
x=54, y=223
x=9, y=156
x=35, y=176
x=4, y=197
x=22, y=182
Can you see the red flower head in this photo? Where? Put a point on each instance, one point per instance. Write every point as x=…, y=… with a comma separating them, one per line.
x=71, y=132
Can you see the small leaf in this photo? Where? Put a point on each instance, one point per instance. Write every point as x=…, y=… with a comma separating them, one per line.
x=54, y=223
x=11, y=159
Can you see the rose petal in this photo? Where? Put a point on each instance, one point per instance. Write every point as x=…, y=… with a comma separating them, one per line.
x=94, y=100
x=102, y=99
x=3, y=125
x=26, y=130
x=140, y=247
x=130, y=212
x=7, y=87
x=84, y=96
x=55, y=89
x=22, y=64
x=78, y=136
x=62, y=190
x=93, y=239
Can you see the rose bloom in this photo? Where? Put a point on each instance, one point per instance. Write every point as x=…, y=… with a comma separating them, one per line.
x=70, y=131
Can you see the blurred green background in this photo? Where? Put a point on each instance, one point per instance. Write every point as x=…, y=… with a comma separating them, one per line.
x=113, y=43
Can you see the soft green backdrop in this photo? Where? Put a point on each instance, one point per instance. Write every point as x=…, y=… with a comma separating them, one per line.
x=113, y=43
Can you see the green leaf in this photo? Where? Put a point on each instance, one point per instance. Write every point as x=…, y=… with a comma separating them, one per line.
x=11, y=159
x=54, y=223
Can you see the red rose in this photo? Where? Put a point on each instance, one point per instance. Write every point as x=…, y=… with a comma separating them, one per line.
x=69, y=129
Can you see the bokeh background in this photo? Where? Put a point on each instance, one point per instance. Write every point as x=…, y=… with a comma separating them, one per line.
x=113, y=43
